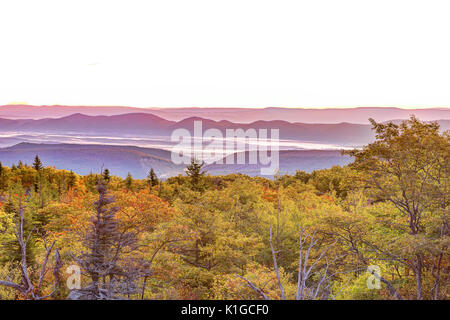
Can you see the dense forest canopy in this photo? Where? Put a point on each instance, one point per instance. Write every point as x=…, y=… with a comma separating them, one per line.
x=304, y=236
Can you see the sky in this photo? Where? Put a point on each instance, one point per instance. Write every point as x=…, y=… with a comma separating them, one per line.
x=208, y=53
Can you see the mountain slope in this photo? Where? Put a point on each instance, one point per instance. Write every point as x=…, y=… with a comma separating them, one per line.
x=84, y=159
x=120, y=160
x=328, y=115
x=146, y=125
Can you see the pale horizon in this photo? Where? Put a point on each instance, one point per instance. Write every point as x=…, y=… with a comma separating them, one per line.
x=238, y=54
x=11, y=104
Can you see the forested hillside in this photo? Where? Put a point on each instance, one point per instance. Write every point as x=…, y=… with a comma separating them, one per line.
x=121, y=160
x=196, y=236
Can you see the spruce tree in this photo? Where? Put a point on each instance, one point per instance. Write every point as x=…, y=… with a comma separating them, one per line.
x=129, y=182
x=105, y=261
x=194, y=171
x=37, y=164
x=106, y=175
x=152, y=178
x=2, y=179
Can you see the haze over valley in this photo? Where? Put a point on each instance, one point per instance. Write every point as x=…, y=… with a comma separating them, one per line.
x=137, y=141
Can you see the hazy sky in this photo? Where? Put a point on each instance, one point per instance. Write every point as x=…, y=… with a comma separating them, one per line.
x=226, y=53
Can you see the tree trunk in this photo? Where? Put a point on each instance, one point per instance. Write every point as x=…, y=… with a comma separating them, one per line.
x=418, y=273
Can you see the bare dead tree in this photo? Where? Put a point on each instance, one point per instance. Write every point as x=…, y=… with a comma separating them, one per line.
x=391, y=288
x=254, y=288
x=305, y=292
x=306, y=289
x=26, y=288
x=275, y=265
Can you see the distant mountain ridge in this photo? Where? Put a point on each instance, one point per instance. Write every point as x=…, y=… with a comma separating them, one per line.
x=358, y=115
x=143, y=124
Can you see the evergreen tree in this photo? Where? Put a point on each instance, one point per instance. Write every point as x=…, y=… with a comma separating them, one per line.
x=2, y=178
x=37, y=164
x=105, y=261
x=152, y=178
x=129, y=182
x=106, y=175
x=194, y=171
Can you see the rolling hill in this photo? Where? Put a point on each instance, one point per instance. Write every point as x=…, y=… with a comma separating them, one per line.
x=120, y=160
x=85, y=159
x=147, y=125
x=304, y=115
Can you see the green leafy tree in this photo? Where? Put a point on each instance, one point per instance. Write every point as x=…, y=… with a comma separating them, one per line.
x=72, y=180
x=408, y=166
x=31, y=281
x=16, y=208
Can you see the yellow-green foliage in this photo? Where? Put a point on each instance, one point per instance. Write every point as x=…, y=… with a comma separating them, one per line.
x=199, y=238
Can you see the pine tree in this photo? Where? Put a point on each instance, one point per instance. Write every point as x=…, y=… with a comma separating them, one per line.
x=106, y=175
x=194, y=171
x=105, y=263
x=2, y=179
x=152, y=178
x=129, y=182
x=37, y=164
